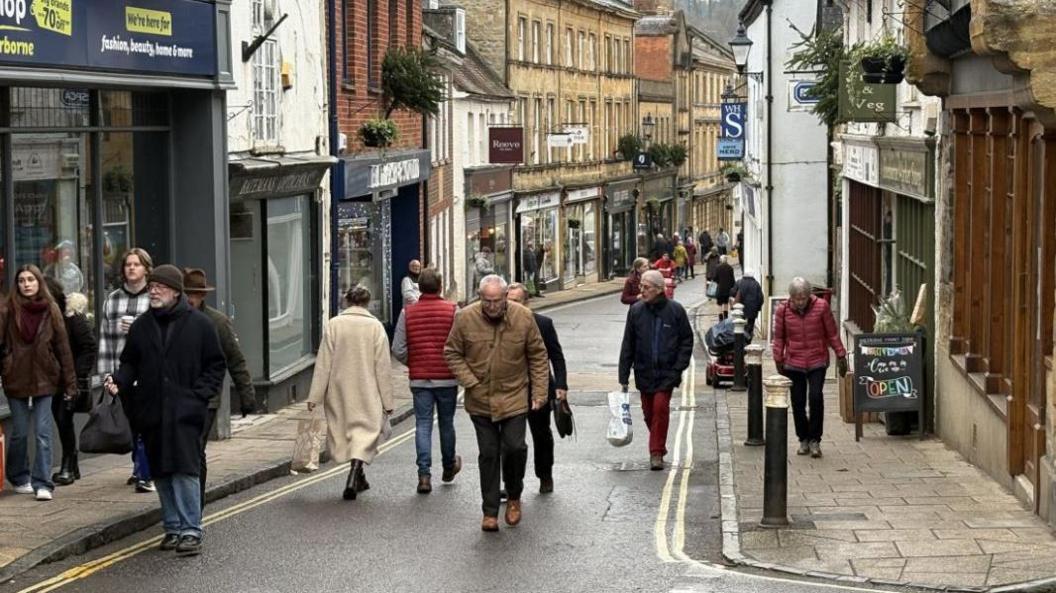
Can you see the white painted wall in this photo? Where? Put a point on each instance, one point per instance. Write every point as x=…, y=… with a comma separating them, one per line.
x=302, y=121
x=798, y=156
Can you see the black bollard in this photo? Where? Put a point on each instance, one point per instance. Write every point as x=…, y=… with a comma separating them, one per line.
x=738, y=351
x=775, y=466
x=753, y=359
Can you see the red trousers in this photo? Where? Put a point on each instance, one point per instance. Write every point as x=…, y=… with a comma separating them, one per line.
x=657, y=410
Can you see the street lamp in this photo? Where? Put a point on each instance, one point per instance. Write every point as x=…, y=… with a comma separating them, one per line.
x=742, y=46
x=648, y=123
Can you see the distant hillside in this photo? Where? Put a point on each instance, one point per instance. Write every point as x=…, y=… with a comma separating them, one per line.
x=715, y=17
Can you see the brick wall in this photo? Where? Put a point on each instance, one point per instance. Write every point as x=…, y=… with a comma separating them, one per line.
x=652, y=58
x=357, y=101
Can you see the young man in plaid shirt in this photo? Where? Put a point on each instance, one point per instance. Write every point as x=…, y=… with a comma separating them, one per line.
x=122, y=307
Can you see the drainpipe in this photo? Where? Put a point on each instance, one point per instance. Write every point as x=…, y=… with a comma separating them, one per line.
x=337, y=191
x=769, y=145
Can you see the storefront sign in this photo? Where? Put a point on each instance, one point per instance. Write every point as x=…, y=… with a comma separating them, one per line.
x=888, y=374
x=863, y=102
x=369, y=174
x=861, y=162
x=621, y=196
x=580, y=195
x=539, y=202
x=580, y=134
x=730, y=149
x=559, y=140
x=484, y=182
x=799, y=95
x=37, y=161
x=660, y=188
x=642, y=160
x=279, y=181
x=506, y=145
x=906, y=172
x=394, y=173
x=731, y=144
x=149, y=36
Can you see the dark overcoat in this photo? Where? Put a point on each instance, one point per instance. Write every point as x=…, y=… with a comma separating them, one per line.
x=165, y=385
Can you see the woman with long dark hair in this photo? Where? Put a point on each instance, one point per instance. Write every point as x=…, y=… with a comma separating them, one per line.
x=37, y=366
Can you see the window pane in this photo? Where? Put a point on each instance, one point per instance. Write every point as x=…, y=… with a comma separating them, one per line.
x=289, y=284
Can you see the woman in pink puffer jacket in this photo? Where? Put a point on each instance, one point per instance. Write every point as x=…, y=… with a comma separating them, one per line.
x=804, y=330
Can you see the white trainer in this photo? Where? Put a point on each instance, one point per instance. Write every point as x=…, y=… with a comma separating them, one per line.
x=24, y=489
x=44, y=494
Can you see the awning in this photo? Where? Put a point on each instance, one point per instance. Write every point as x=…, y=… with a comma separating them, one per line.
x=261, y=178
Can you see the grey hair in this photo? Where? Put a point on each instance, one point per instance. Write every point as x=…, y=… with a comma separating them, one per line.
x=799, y=285
x=494, y=279
x=653, y=277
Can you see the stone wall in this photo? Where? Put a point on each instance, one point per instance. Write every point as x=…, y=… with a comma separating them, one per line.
x=486, y=28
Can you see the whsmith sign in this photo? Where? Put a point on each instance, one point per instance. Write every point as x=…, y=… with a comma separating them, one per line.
x=175, y=37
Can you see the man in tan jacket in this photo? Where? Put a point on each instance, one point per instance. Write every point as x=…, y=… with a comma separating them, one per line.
x=494, y=349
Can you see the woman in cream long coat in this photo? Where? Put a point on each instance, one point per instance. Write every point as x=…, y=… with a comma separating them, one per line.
x=352, y=381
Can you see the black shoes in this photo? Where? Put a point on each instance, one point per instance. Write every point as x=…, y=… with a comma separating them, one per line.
x=451, y=472
x=546, y=485
x=189, y=546
x=169, y=542
x=357, y=481
x=68, y=472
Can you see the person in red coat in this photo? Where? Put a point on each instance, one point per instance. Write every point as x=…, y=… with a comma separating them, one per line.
x=632, y=286
x=665, y=263
x=418, y=342
x=804, y=330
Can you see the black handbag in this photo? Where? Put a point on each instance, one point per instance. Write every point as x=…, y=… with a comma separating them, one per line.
x=566, y=424
x=107, y=430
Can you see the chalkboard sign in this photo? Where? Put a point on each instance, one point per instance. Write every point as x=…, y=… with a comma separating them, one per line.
x=888, y=375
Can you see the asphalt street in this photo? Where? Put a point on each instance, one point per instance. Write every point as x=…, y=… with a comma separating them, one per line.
x=610, y=525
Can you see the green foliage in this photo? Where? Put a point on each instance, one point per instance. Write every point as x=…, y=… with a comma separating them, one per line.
x=886, y=48
x=476, y=202
x=629, y=146
x=660, y=154
x=678, y=154
x=378, y=132
x=734, y=170
x=409, y=81
x=821, y=53
x=891, y=317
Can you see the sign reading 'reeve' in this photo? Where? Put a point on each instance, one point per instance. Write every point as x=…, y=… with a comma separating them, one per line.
x=506, y=145
x=175, y=37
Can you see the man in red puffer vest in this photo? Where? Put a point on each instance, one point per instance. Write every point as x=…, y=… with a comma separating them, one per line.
x=418, y=342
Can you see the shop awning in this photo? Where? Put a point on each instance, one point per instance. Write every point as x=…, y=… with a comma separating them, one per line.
x=271, y=177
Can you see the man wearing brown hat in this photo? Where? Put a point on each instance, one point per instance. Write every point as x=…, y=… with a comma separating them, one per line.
x=196, y=287
x=171, y=366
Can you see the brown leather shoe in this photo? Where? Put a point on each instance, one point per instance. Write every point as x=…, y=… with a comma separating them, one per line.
x=489, y=524
x=513, y=512
x=451, y=472
x=425, y=485
x=656, y=462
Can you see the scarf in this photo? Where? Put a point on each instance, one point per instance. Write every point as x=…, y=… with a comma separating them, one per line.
x=30, y=316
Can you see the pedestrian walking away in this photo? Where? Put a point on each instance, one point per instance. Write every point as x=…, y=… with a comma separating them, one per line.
x=804, y=330
x=409, y=285
x=658, y=345
x=722, y=242
x=691, y=251
x=37, y=366
x=726, y=279
x=496, y=351
x=83, y=349
x=531, y=269
x=749, y=293
x=557, y=391
x=171, y=366
x=681, y=257
x=122, y=307
x=418, y=342
x=705, y=242
x=196, y=286
x=632, y=285
x=352, y=381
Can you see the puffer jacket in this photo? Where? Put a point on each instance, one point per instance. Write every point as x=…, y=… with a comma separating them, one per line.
x=801, y=340
x=41, y=367
x=428, y=323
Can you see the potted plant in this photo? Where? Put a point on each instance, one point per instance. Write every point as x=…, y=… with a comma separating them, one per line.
x=733, y=173
x=409, y=81
x=678, y=154
x=476, y=202
x=378, y=132
x=881, y=62
x=629, y=146
x=661, y=155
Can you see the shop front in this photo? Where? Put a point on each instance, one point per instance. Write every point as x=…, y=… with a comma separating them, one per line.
x=658, y=211
x=622, y=221
x=538, y=230
x=104, y=150
x=275, y=230
x=489, y=220
x=581, y=236
x=377, y=226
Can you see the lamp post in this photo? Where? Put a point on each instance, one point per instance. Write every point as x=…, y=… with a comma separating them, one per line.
x=648, y=124
x=741, y=46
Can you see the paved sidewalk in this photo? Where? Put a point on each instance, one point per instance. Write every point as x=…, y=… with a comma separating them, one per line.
x=886, y=510
x=100, y=508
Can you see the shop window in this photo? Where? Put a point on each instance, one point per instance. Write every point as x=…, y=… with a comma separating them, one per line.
x=289, y=281
x=265, y=120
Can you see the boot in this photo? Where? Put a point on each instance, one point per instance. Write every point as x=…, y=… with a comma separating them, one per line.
x=68, y=472
x=350, y=483
x=359, y=478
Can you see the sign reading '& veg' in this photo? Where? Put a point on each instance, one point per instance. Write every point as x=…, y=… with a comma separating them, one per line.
x=150, y=36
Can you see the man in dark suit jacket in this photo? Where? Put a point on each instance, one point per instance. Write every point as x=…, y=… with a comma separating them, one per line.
x=539, y=420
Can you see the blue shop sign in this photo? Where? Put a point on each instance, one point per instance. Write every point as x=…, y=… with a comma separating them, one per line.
x=730, y=149
x=732, y=121
x=176, y=37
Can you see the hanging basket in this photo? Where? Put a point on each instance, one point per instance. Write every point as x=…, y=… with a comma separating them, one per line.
x=883, y=70
x=733, y=177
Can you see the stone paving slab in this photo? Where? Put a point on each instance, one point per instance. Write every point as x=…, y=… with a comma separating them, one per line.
x=922, y=515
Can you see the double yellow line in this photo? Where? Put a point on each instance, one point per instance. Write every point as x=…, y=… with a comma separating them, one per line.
x=681, y=465
x=89, y=568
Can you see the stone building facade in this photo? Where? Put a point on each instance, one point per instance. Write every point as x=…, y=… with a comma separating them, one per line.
x=570, y=65
x=712, y=206
x=991, y=62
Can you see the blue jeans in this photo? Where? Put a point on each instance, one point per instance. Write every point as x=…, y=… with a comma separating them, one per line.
x=18, y=467
x=444, y=398
x=181, y=506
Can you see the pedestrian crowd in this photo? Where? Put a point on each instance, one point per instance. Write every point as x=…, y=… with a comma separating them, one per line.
x=162, y=354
